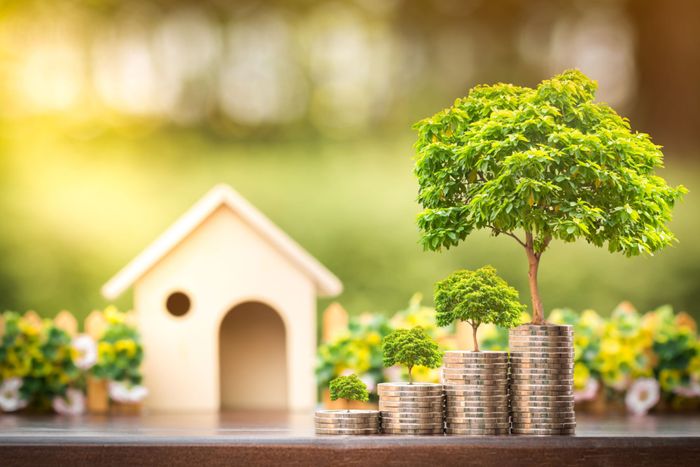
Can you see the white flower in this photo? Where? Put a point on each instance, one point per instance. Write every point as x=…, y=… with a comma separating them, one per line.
x=642, y=395
x=72, y=404
x=588, y=392
x=691, y=390
x=86, y=347
x=10, y=398
x=120, y=392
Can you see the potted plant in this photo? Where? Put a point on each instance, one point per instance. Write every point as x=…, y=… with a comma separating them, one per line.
x=347, y=422
x=411, y=408
x=538, y=165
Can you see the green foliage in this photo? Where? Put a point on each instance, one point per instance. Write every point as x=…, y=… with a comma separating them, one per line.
x=411, y=347
x=119, y=350
x=350, y=388
x=547, y=160
x=477, y=297
x=41, y=356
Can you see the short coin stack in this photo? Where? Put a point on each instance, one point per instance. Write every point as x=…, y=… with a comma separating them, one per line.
x=347, y=422
x=411, y=409
x=476, y=393
x=542, y=365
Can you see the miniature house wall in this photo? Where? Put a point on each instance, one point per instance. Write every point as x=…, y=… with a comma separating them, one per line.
x=226, y=305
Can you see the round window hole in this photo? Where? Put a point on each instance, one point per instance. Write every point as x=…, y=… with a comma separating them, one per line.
x=178, y=304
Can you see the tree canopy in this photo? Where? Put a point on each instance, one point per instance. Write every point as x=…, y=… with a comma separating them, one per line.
x=477, y=297
x=350, y=388
x=411, y=347
x=547, y=161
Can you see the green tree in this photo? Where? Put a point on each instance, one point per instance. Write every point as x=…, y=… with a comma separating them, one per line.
x=477, y=297
x=411, y=347
x=541, y=164
x=350, y=388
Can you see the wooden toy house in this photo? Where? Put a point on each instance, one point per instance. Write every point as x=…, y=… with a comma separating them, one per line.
x=226, y=305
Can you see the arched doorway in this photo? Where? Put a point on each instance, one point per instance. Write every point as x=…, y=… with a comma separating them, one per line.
x=252, y=359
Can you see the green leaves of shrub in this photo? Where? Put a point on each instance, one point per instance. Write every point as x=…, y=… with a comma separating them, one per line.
x=350, y=388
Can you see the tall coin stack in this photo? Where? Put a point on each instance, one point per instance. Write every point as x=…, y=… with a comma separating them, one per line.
x=411, y=409
x=476, y=393
x=542, y=368
x=347, y=422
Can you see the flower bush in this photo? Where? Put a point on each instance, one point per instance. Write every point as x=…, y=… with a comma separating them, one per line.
x=628, y=353
x=119, y=350
x=43, y=367
x=36, y=363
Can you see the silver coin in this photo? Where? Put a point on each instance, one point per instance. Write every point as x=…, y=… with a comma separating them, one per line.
x=403, y=386
x=502, y=375
x=486, y=373
x=415, y=399
x=476, y=414
x=474, y=397
x=541, y=399
x=525, y=344
x=540, y=392
x=408, y=407
x=484, y=404
x=411, y=416
x=476, y=368
x=501, y=426
x=524, y=366
x=519, y=372
x=427, y=432
x=344, y=431
x=477, y=431
x=557, y=425
x=407, y=427
x=547, y=327
x=484, y=354
x=345, y=421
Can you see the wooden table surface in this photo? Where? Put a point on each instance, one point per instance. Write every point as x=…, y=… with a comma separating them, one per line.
x=276, y=439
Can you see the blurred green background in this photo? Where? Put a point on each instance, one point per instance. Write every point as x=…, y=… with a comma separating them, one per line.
x=117, y=116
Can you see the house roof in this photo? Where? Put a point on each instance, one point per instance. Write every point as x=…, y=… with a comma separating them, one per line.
x=327, y=284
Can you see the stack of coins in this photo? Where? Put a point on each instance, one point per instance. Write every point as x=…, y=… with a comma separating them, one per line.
x=347, y=422
x=476, y=393
x=542, y=369
x=411, y=409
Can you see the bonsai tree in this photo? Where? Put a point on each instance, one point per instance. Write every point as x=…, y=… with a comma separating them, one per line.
x=350, y=388
x=477, y=297
x=537, y=165
x=411, y=347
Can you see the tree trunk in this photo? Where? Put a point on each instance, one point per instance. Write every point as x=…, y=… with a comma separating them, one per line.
x=410, y=376
x=476, y=342
x=534, y=262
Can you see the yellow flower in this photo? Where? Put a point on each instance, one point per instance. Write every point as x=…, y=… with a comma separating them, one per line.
x=373, y=338
x=113, y=316
x=127, y=345
x=669, y=379
x=105, y=351
x=29, y=329
x=581, y=375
